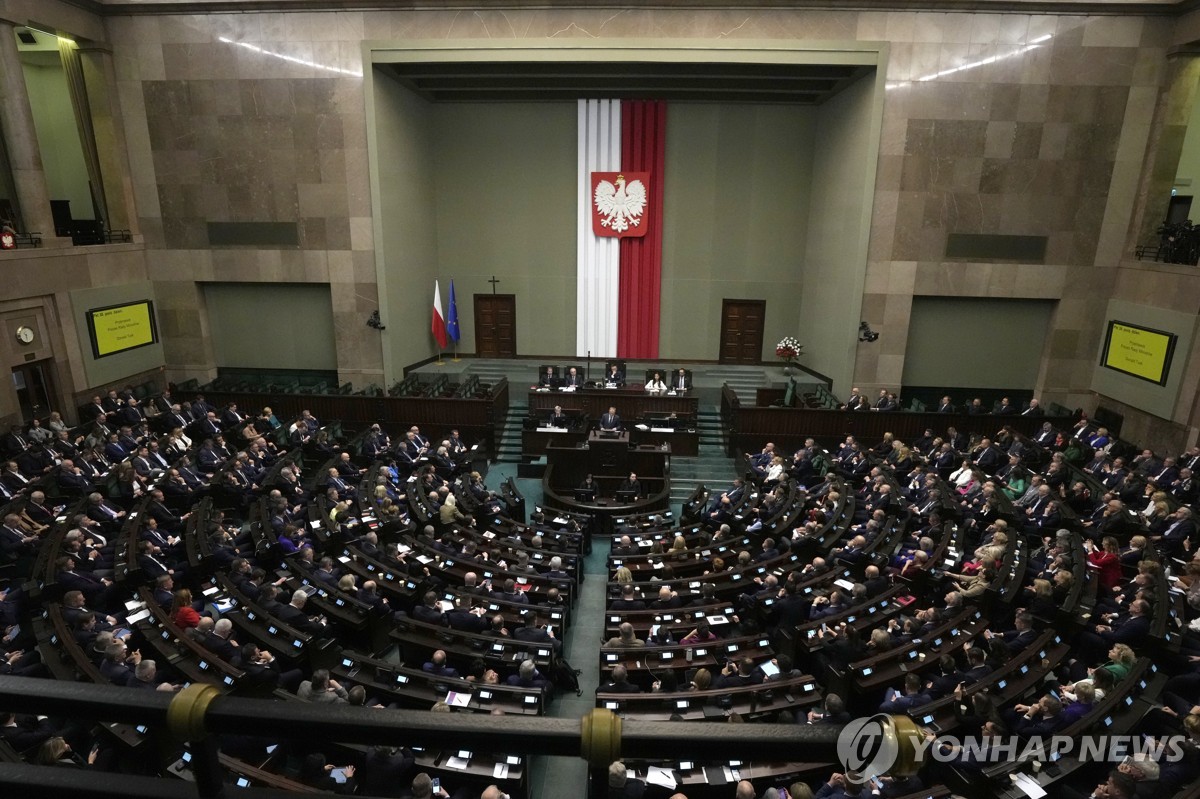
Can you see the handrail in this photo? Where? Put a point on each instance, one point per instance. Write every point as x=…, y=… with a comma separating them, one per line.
x=600, y=737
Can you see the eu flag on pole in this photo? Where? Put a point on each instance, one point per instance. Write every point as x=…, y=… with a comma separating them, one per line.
x=452, y=318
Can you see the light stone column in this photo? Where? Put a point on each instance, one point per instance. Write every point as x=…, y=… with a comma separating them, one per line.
x=20, y=141
x=101, y=79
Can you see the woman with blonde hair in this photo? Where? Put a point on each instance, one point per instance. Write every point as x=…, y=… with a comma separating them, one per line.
x=678, y=548
x=346, y=583
x=775, y=470
x=623, y=575
x=701, y=680
x=1043, y=604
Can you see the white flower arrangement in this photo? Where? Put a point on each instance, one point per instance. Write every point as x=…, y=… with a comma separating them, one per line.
x=789, y=349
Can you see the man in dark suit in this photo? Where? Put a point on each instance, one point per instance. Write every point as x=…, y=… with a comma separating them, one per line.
x=548, y=379
x=429, y=612
x=118, y=664
x=1180, y=529
x=293, y=614
x=946, y=406
x=230, y=416
x=681, y=381
x=620, y=683
x=220, y=641
x=628, y=600
x=989, y=457
x=1018, y=638
x=915, y=694
x=857, y=401
x=610, y=420
x=71, y=479
x=1043, y=718
x=1166, y=477
x=1006, y=408
x=573, y=379
x=1033, y=409
x=13, y=478
x=614, y=376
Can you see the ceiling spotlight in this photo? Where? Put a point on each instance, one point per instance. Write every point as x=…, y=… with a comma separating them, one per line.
x=373, y=321
x=865, y=333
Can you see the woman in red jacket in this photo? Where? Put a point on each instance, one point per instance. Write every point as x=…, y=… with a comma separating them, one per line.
x=182, y=613
x=1106, y=561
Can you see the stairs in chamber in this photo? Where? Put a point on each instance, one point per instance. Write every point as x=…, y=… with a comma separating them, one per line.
x=743, y=381
x=712, y=466
x=508, y=433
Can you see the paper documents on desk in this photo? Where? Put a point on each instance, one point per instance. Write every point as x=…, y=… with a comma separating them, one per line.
x=459, y=763
x=1028, y=786
x=846, y=584
x=661, y=776
x=500, y=772
x=425, y=559
x=642, y=427
x=455, y=699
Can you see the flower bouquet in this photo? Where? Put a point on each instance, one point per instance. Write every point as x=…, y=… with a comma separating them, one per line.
x=790, y=350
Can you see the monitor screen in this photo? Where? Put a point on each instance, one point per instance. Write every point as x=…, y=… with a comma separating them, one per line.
x=117, y=328
x=1137, y=351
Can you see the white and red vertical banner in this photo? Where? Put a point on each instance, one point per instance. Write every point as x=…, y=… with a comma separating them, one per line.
x=619, y=276
x=643, y=151
x=597, y=257
x=438, y=326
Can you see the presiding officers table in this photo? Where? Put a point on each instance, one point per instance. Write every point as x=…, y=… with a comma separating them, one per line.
x=634, y=405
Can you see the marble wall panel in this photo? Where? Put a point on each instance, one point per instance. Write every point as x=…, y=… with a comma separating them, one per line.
x=1020, y=134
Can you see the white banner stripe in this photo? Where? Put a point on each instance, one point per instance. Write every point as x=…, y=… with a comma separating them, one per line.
x=598, y=258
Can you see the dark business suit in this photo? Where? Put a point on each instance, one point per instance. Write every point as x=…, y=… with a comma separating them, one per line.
x=610, y=421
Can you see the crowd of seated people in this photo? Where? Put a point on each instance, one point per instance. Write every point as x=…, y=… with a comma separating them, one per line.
x=1055, y=550
x=107, y=514
x=1064, y=551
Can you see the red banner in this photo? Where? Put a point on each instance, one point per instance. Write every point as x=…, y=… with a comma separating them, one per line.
x=620, y=203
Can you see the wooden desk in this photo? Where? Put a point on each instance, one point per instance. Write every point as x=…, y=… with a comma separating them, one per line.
x=609, y=461
x=631, y=402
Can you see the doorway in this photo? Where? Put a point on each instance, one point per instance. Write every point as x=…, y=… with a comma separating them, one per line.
x=34, y=385
x=742, y=324
x=495, y=325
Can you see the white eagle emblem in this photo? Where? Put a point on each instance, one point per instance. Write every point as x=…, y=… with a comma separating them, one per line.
x=621, y=205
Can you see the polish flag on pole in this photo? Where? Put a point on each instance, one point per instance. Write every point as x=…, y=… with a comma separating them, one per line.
x=439, y=322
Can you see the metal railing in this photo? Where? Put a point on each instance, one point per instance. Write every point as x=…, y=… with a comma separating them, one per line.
x=200, y=712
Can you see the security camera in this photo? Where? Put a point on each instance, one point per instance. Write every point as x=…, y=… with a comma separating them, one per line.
x=865, y=333
x=373, y=321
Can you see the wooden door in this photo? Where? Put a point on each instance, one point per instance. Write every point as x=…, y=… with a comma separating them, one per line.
x=34, y=385
x=495, y=325
x=742, y=330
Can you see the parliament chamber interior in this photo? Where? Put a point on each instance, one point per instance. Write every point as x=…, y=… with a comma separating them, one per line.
x=806, y=406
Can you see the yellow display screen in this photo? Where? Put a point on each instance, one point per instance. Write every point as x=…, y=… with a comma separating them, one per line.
x=1138, y=351
x=118, y=328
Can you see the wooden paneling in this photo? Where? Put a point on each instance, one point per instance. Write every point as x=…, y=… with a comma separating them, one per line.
x=630, y=403
x=751, y=427
x=474, y=418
